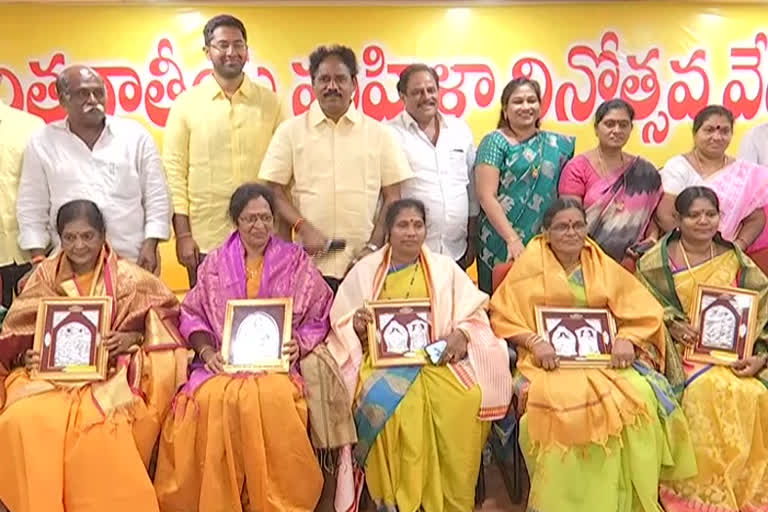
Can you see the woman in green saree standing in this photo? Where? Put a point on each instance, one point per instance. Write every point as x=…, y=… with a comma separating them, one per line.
x=516, y=171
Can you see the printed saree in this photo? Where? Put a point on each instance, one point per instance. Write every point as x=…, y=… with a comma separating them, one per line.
x=456, y=303
x=619, y=430
x=528, y=176
x=728, y=415
x=71, y=443
x=619, y=206
x=237, y=442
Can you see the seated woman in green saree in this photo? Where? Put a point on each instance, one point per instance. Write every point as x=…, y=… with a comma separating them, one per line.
x=727, y=408
x=421, y=429
x=516, y=173
x=594, y=439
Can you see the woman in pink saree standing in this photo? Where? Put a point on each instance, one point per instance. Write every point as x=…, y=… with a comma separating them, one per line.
x=619, y=191
x=239, y=442
x=741, y=186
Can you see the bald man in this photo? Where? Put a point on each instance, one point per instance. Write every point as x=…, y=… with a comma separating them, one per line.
x=114, y=162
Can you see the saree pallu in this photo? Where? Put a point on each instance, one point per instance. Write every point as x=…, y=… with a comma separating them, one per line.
x=238, y=442
x=70, y=443
x=528, y=176
x=728, y=415
x=619, y=430
x=618, y=206
x=432, y=413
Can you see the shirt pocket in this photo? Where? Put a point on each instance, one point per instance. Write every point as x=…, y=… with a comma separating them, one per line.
x=125, y=179
x=457, y=167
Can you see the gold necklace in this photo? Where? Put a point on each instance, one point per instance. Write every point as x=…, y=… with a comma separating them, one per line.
x=601, y=161
x=688, y=263
x=701, y=166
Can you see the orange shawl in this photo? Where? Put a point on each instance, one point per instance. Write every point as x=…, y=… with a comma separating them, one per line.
x=141, y=303
x=570, y=407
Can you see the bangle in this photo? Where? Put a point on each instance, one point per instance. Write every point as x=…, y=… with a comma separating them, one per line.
x=179, y=236
x=533, y=340
x=371, y=247
x=37, y=259
x=297, y=225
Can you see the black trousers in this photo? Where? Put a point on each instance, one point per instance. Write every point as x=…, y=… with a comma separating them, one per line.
x=10, y=275
x=192, y=273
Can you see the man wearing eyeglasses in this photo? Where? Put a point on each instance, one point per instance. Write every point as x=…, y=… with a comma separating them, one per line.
x=112, y=161
x=215, y=138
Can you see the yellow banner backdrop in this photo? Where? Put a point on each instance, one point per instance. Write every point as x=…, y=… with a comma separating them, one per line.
x=667, y=60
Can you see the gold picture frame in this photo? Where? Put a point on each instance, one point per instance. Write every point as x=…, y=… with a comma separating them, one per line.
x=726, y=318
x=405, y=322
x=270, y=319
x=583, y=336
x=69, y=334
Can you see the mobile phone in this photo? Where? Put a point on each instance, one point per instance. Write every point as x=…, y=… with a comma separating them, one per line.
x=435, y=351
x=337, y=244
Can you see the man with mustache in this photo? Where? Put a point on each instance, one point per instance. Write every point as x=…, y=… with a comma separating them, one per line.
x=214, y=141
x=339, y=163
x=441, y=152
x=111, y=161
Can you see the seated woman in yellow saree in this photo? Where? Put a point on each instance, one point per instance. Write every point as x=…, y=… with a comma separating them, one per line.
x=86, y=447
x=421, y=430
x=239, y=442
x=594, y=440
x=727, y=408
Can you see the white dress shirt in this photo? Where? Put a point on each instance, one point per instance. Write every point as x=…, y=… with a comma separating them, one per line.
x=123, y=175
x=754, y=145
x=443, y=179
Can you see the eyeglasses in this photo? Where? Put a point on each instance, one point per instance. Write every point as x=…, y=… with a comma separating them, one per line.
x=224, y=46
x=71, y=238
x=562, y=228
x=251, y=220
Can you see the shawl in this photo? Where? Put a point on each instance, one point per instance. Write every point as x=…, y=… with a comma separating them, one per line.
x=654, y=272
x=562, y=402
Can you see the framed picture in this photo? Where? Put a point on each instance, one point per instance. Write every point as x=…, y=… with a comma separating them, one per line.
x=68, y=336
x=400, y=330
x=255, y=331
x=726, y=319
x=581, y=337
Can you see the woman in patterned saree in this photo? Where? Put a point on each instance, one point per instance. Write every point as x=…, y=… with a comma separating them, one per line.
x=741, y=186
x=516, y=171
x=594, y=439
x=619, y=191
x=421, y=430
x=727, y=408
x=239, y=442
x=80, y=447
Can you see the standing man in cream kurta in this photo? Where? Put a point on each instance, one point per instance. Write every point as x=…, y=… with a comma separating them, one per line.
x=214, y=141
x=338, y=164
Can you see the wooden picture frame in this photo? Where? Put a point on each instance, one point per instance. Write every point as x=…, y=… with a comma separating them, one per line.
x=69, y=334
x=581, y=337
x=726, y=318
x=399, y=332
x=255, y=331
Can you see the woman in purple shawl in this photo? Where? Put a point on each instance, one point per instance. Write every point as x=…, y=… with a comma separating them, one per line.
x=239, y=442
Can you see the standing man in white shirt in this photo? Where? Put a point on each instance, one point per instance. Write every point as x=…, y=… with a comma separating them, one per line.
x=754, y=145
x=441, y=152
x=113, y=162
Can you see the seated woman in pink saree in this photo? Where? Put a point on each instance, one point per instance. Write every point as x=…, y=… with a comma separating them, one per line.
x=239, y=442
x=741, y=186
x=619, y=191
